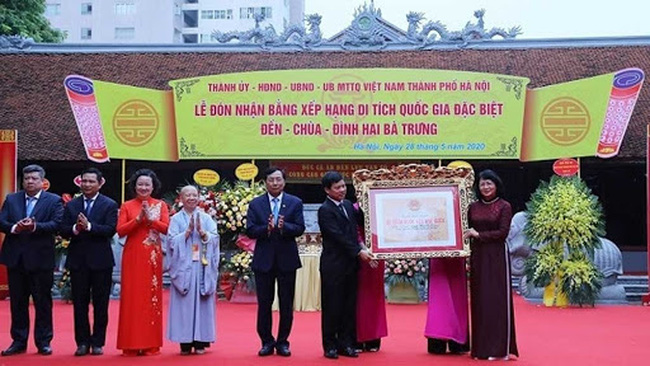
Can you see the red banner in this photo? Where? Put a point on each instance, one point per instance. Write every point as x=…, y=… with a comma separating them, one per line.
x=313, y=171
x=8, y=166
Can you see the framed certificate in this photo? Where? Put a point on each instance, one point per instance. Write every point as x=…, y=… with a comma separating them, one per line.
x=416, y=211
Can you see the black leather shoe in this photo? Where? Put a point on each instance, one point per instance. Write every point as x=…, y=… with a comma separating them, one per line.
x=266, y=350
x=348, y=352
x=45, y=351
x=14, y=350
x=97, y=351
x=457, y=348
x=331, y=354
x=81, y=350
x=283, y=350
x=436, y=346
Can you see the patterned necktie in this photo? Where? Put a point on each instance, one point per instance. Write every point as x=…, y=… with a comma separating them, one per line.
x=31, y=201
x=276, y=209
x=88, y=206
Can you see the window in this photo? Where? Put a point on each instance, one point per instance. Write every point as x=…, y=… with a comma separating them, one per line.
x=247, y=13
x=223, y=14
x=86, y=33
x=216, y=14
x=207, y=14
x=207, y=38
x=125, y=33
x=86, y=8
x=125, y=8
x=52, y=9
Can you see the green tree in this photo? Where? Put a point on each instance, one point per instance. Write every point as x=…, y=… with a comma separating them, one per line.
x=26, y=18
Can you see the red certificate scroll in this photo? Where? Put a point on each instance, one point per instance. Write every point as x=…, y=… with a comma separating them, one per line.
x=81, y=95
x=625, y=92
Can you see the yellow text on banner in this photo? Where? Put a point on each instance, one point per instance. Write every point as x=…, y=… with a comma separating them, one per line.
x=350, y=113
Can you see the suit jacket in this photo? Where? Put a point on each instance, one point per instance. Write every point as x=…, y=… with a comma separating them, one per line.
x=340, y=244
x=279, y=247
x=36, y=249
x=90, y=249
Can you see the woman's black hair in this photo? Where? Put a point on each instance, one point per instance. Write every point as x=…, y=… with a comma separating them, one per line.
x=489, y=174
x=148, y=173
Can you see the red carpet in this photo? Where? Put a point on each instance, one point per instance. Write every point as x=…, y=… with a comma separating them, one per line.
x=605, y=335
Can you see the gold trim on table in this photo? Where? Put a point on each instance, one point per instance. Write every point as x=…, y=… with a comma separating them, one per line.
x=310, y=244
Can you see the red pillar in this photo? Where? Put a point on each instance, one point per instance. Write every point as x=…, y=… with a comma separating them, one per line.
x=646, y=298
x=8, y=166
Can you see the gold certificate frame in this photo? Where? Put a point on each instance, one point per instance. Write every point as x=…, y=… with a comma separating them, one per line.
x=415, y=210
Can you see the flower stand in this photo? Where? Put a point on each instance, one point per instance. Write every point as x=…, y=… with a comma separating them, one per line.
x=241, y=294
x=227, y=285
x=403, y=293
x=550, y=298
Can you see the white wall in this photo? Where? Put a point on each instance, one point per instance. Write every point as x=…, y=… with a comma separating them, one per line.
x=152, y=20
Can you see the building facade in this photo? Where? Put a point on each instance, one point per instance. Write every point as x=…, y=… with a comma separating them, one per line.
x=165, y=21
x=28, y=99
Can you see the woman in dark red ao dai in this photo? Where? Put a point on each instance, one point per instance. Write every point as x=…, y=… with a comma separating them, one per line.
x=492, y=321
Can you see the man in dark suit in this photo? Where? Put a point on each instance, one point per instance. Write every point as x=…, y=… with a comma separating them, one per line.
x=339, y=263
x=30, y=219
x=275, y=219
x=89, y=222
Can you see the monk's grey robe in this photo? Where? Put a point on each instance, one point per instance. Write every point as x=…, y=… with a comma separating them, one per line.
x=192, y=300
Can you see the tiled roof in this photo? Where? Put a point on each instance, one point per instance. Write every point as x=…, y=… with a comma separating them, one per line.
x=32, y=98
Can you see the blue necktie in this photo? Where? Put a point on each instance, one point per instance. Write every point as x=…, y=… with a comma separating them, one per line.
x=31, y=201
x=89, y=202
x=276, y=210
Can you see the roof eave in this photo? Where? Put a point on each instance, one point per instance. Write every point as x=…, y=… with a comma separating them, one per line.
x=333, y=46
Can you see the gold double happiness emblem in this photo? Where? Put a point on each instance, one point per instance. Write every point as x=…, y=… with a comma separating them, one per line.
x=135, y=122
x=565, y=121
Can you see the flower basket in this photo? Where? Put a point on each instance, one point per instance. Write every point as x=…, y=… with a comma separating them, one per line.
x=227, y=204
x=231, y=208
x=403, y=293
x=240, y=277
x=565, y=221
